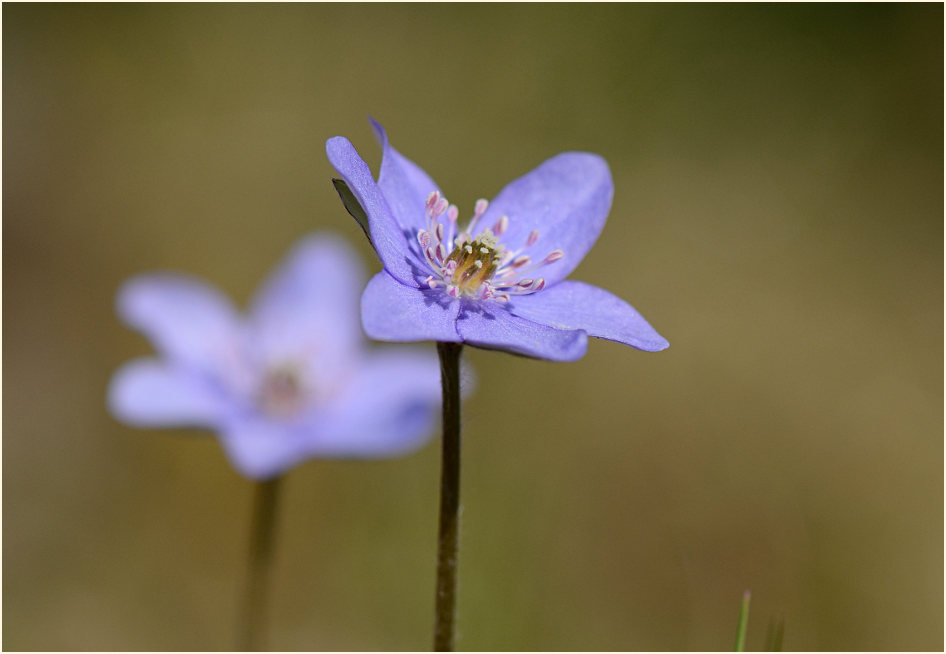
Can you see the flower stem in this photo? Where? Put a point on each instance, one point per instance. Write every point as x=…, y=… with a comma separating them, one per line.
x=447, y=541
x=252, y=617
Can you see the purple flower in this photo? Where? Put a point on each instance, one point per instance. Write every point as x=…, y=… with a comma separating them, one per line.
x=290, y=381
x=499, y=282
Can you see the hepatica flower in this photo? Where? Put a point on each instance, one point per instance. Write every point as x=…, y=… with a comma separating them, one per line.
x=498, y=279
x=290, y=380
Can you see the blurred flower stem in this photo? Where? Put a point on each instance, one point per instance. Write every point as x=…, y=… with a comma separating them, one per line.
x=250, y=629
x=447, y=535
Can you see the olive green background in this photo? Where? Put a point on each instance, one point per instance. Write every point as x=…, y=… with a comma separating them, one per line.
x=777, y=216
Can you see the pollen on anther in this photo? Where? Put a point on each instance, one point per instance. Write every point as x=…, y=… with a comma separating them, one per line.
x=469, y=263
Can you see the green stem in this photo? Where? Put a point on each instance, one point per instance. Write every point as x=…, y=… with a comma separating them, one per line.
x=253, y=610
x=775, y=635
x=447, y=534
x=743, y=623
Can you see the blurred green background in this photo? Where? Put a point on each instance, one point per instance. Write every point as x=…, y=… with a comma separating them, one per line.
x=777, y=216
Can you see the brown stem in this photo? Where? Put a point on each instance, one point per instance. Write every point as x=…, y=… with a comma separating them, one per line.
x=447, y=535
x=253, y=611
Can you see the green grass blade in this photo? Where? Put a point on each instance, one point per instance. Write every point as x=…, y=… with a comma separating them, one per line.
x=776, y=632
x=743, y=622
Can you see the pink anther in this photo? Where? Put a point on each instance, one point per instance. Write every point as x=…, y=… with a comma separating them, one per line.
x=500, y=227
x=521, y=261
x=553, y=256
x=432, y=199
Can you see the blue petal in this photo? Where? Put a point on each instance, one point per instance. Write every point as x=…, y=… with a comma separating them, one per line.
x=404, y=184
x=261, y=448
x=489, y=325
x=310, y=303
x=576, y=305
x=388, y=409
x=150, y=393
x=387, y=237
x=567, y=198
x=391, y=311
x=187, y=320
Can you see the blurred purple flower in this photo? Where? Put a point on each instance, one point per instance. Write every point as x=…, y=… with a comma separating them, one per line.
x=499, y=282
x=290, y=381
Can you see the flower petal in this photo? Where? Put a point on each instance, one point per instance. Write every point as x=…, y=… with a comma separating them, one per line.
x=310, y=303
x=150, y=393
x=391, y=311
x=262, y=448
x=387, y=237
x=576, y=305
x=389, y=407
x=186, y=319
x=567, y=199
x=491, y=326
x=405, y=185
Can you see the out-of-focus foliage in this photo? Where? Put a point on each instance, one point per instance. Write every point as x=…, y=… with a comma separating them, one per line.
x=778, y=216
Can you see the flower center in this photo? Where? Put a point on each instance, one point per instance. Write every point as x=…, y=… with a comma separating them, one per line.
x=282, y=392
x=475, y=263
x=477, y=267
